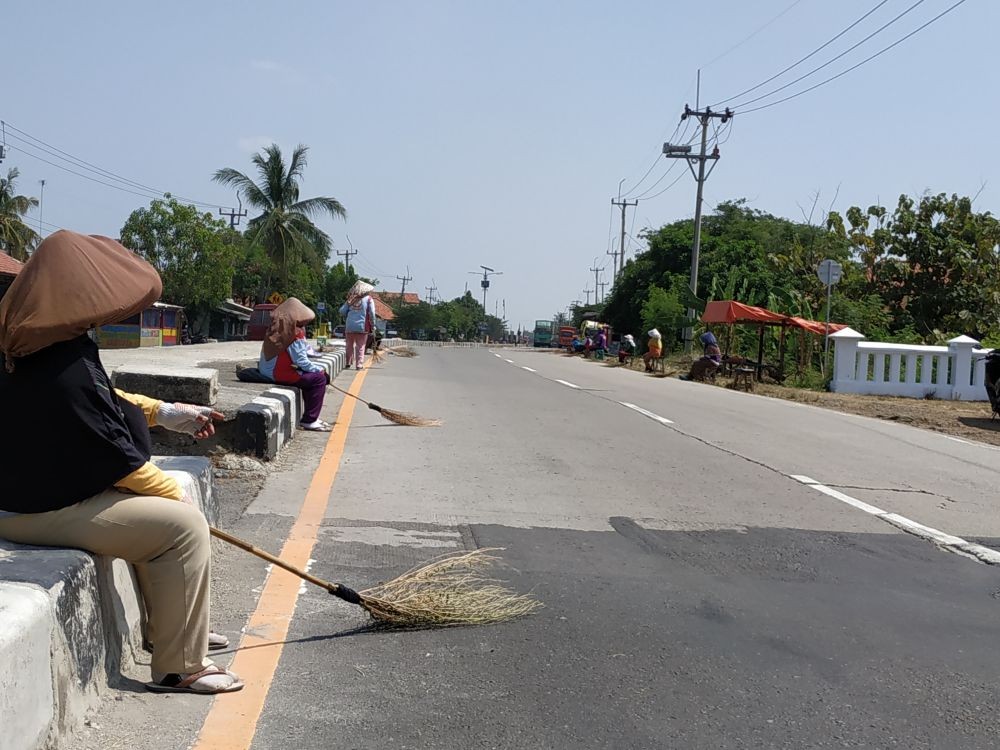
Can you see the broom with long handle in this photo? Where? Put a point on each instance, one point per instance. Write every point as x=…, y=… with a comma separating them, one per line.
x=451, y=590
x=396, y=417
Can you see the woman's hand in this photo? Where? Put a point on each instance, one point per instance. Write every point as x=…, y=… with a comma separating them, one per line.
x=194, y=420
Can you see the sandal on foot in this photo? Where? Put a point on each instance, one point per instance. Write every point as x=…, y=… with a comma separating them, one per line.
x=217, y=641
x=209, y=681
x=318, y=426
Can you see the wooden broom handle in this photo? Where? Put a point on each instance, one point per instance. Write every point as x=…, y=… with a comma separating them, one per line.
x=333, y=588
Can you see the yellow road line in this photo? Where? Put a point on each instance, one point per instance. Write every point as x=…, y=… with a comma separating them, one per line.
x=232, y=721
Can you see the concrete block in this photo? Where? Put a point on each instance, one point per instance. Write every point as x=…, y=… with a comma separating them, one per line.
x=257, y=427
x=292, y=399
x=195, y=475
x=192, y=385
x=27, y=704
x=79, y=664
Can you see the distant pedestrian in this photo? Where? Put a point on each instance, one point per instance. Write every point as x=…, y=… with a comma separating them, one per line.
x=360, y=311
x=710, y=360
x=654, y=350
x=627, y=348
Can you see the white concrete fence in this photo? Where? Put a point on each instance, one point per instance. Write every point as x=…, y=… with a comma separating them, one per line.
x=955, y=372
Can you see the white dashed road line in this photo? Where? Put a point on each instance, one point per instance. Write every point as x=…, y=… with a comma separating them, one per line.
x=647, y=413
x=528, y=369
x=509, y=360
x=567, y=384
x=946, y=541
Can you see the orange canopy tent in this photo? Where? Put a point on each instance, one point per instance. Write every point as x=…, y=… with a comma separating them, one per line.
x=730, y=312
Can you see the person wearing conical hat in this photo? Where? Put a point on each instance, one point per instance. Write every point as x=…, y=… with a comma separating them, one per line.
x=284, y=357
x=654, y=349
x=360, y=323
x=100, y=492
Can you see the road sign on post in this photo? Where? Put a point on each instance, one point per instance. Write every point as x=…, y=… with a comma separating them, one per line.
x=829, y=272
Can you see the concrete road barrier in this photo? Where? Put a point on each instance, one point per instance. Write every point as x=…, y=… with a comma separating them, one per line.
x=69, y=621
x=192, y=385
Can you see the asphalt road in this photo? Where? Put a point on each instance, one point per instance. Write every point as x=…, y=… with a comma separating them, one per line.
x=712, y=571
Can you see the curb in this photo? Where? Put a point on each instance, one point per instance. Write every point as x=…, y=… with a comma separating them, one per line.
x=268, y=422
x=71, y=621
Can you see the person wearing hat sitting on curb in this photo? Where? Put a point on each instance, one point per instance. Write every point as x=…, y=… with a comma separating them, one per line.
x=710, y=361
x=360, y=311
x=284, y=358
x=655, y=350
x=100, y=492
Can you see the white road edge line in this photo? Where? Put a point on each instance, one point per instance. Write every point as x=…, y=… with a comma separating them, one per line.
x=947, y=541
x=646, y=413
x=528, y=369
x=567, y=384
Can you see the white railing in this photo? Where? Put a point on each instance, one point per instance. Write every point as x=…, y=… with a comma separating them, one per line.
x=954, y=372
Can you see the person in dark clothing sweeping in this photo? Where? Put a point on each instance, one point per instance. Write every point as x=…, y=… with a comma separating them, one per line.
x=102, y=493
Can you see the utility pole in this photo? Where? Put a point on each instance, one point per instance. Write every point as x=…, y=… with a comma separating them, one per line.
x=430, y=292
x=602, y=285
x=404, y=279
x=41, y=207
x=347, y=255
x=704, y=116
x=588, y=292
x=621, y=248
x=597, y=281
x=234, y=216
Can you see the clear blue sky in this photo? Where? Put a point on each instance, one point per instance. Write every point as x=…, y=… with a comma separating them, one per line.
x=468, y=133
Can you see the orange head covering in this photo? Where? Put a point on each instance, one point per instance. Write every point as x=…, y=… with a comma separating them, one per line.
x=71, y=283
x=285, y=318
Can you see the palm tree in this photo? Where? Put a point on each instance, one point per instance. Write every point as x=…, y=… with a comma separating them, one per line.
x=284, y=228
x=16, y=238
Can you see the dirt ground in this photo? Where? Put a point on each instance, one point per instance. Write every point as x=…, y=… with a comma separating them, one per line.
x=964, y=419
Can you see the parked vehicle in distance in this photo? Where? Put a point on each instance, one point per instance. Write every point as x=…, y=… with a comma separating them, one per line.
x=391, y=333
x=542, y=333
x=338, y=332
x=566, y=334
x=260, y=320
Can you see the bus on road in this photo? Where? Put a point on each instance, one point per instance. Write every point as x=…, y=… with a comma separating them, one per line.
x=543, y=333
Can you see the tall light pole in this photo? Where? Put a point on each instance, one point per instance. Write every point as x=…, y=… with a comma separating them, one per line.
x=485, y=284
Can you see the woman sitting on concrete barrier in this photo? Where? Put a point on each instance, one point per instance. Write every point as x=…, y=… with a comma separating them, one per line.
x=100, y=492
x=284, y=357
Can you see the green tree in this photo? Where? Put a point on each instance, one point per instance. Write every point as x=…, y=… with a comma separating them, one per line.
x=17, y=239
x=284, y=227
x=663, y=311
x=194, y=252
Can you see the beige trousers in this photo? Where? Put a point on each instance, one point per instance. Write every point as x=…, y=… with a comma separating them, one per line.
x=169, y=544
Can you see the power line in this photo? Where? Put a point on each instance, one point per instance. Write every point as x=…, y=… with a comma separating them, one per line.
x=853, y=47
x=672, y=183
x=751, y=35
x=857, y=65
x=80, y=174
x=802, y=60
x=645, y=195
x=657, y=160
x=57, y=153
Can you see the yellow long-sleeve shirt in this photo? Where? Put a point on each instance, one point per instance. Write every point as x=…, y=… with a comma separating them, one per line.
x=148, y=479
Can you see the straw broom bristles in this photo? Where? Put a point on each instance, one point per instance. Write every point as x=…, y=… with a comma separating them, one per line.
x=404, y=418
x=452, y=590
